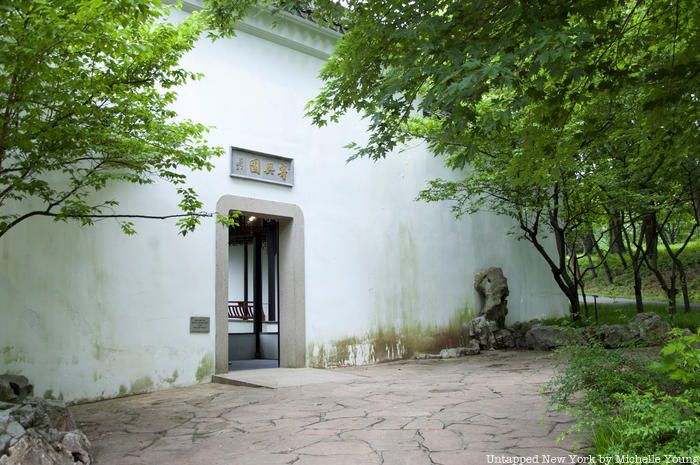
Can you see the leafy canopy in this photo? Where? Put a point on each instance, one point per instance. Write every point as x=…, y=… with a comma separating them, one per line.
x=86, y=88
x=554, y=113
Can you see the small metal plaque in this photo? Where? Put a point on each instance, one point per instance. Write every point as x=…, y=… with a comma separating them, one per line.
x=199, y=324
x=262, y=167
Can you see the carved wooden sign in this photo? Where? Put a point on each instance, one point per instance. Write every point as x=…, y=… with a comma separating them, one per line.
x=258, y=166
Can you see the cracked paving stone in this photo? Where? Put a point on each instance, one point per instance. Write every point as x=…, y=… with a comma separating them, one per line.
x=425, y=424
x=430, y=412
x=442, y=440
x=344, y=447
x=338, y=460
x=385, y=439
x=392, y=457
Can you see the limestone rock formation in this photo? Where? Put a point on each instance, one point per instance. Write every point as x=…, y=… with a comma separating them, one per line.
x=650, y=328
x=482, y=330
x=471, y=349
x=519, y=333
x=614, y=336
x=492, y=286
x=36, y=431
x=15, y=388
x=542, y=337
x=504, y=339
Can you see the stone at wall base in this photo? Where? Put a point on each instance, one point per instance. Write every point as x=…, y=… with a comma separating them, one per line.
x=40, y=432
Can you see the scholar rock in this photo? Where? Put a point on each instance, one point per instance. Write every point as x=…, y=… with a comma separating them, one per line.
x=471, y=349
x=614, y=336
x=15, y=388
x=449, y=353
x=482, y=330
x=652, y=329
x=33, y=449
x=422, y=356
x=39, y=432
x=541, y=337
x=519, y=332
x=77, y=445
x=492, y=286
x=504, y=339
x=15, y=430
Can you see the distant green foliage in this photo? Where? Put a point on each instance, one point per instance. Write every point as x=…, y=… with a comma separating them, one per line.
x=680, y=359
x=629, y=404
x=623, y=285
x=620, y=314
x=86, y=94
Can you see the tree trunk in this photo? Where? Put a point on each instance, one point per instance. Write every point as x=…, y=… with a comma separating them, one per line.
x=575, y=305
x=684, y=290
x=588, y=242
x=672, y=290
x=557, y=264
x=651, y=236
x=583, y=298
x=604, y=261
x=638, y=299
x=616, y=243
x=636, y=257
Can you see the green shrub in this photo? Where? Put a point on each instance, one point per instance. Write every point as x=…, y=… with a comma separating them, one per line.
x=593, y=376
x=631, y=404
x=651, y=423
x=680, y=358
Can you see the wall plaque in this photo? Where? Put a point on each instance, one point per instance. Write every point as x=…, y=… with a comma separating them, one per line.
x=264, y=167
x=199, y=324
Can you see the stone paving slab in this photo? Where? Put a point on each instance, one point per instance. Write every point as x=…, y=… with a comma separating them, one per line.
x=274, y=378
x=468, y=411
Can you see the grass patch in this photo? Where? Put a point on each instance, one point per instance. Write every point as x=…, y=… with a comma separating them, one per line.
x=623, y=279
x=630, y=405
x=613, y=314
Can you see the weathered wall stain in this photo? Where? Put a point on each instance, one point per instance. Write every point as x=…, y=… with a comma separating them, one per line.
x=205, y=368
x=391, y=342
x=141, y=385
x=13, y=355
x=96, y=349
x=173, y=378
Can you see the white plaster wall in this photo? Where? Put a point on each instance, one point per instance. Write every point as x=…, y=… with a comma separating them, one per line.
x=85, y=311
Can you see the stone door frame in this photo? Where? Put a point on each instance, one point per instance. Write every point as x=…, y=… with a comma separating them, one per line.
x=291, y=305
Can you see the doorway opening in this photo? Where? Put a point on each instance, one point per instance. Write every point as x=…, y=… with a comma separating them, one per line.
x=253, y=293
x=289, y=309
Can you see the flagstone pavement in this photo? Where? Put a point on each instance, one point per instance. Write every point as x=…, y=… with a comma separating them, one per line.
x=467, y=411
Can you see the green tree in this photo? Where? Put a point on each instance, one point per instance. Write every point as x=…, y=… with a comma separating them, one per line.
x=86, y=88
x=521, y=98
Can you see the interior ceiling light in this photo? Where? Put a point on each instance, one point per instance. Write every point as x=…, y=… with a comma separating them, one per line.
x=251, y=219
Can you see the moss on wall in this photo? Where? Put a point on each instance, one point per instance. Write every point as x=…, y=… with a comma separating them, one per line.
x=205, y=368
x=391, y=342
x=141, y=385
x=12, y=355
x=173, y=378
x=96, y=349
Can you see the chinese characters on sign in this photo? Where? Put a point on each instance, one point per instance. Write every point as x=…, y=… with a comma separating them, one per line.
x=261, y=167
x=199, y=324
